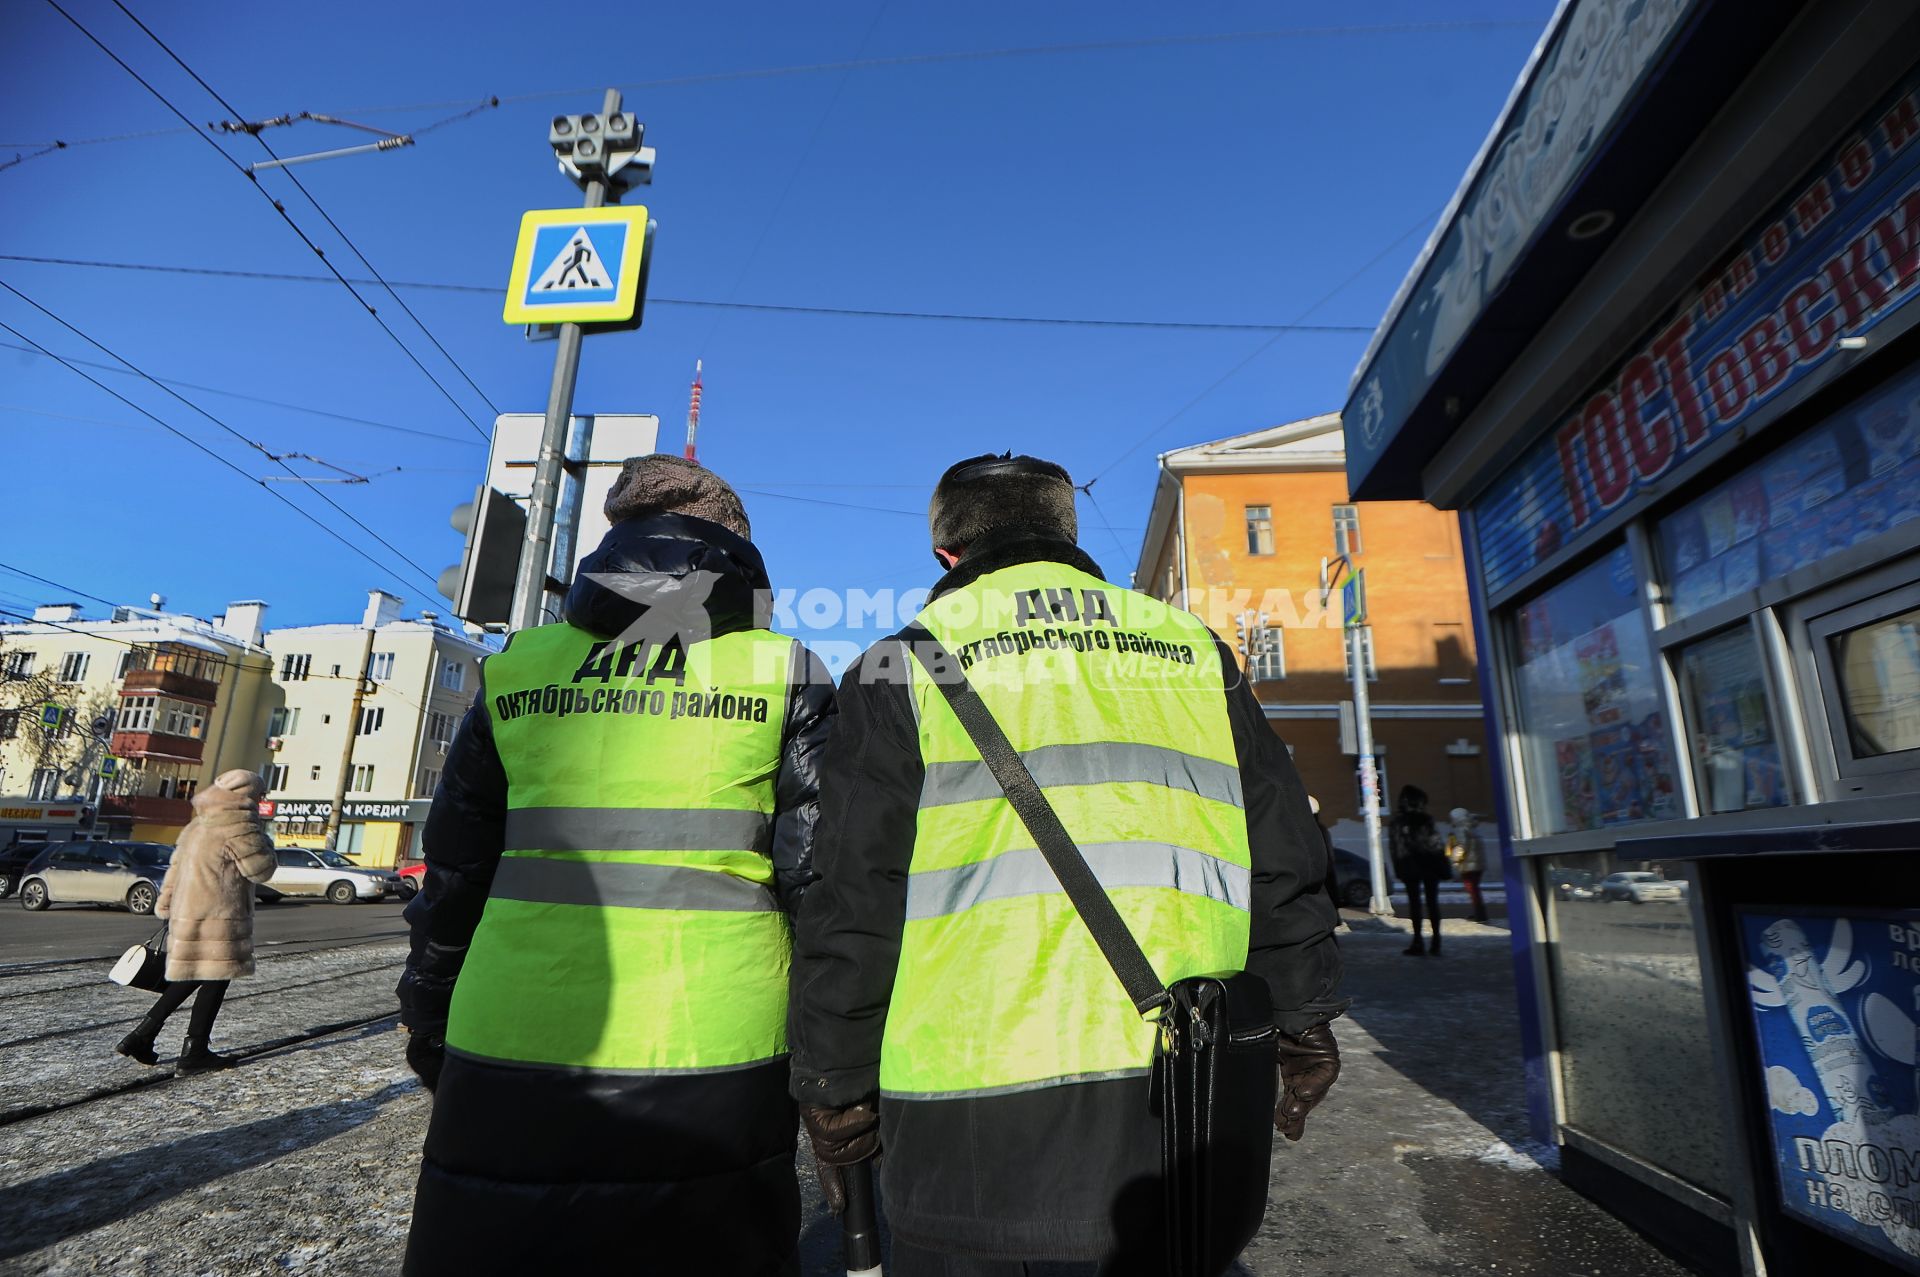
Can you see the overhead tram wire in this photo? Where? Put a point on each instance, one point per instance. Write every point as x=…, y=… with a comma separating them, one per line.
x=281, y=210
x=271, y=403
x=1066, y=321
x=58, y=585
x=1266, y=345
x=324, y=215
x=201, y=447
x=257, y=446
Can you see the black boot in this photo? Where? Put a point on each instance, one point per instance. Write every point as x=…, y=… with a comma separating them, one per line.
x=1433, y=948
x=1415, y=949
x=197, y=1058
x=138, y=1047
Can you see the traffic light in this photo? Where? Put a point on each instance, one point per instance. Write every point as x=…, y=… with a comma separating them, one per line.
x=481, y=584
x=602, y=148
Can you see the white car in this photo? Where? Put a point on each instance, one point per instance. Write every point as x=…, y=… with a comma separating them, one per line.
x=1641, y=887
x=326, y=873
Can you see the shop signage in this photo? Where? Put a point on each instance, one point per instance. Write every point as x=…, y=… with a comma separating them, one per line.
x=1579, y=80
x=362, y=810
x=297, y=809
x=1834, y=258
x=1834, y=999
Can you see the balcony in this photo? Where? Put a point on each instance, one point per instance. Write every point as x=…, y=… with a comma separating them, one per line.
x=149, y=809
x=158, y=746
x=169, y=683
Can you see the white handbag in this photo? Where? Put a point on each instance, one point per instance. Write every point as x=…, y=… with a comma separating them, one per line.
x=144, y=966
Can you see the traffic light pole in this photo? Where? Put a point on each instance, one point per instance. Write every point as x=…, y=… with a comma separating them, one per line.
x=1382, y=903
x=530, y=583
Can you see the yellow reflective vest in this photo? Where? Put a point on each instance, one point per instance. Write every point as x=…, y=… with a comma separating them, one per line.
x=631, y=925
x=1117, y=704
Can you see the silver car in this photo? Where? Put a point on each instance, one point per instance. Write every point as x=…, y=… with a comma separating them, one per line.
x=299, y=872
x=100, y=873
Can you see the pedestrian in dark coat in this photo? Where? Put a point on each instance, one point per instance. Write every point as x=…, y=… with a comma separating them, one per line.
x=207, y=900
x=1420, y=862
x=534, y=1167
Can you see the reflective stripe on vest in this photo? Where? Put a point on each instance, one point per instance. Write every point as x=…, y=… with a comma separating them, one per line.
x=1117, y=704
x=631, y=927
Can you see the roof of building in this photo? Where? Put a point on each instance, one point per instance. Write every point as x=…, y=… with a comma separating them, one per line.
x=1308, y=445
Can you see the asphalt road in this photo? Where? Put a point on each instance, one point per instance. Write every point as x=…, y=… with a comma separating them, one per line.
x=66, y=932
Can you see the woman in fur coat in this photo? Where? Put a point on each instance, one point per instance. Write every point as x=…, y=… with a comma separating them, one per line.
x=207, y=900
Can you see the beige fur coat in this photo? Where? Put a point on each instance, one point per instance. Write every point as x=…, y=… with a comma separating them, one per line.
x=207, y=897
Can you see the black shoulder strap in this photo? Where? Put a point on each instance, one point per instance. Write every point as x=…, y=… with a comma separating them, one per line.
x=1089, y=899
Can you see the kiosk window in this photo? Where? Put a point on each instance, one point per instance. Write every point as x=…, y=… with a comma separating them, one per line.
x=1596, y=742
x=1846, y=480
x=1735, y=755
x=1877, y=667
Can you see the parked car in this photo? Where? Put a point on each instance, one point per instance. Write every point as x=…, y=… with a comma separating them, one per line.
x=1575, y=884
x=1353, y=878
x=412, y=877
x=100, y=873
x=1641, y=887
x=327, y=873
x=14, y=861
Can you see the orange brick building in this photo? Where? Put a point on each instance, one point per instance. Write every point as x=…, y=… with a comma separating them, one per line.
x=1240, y=527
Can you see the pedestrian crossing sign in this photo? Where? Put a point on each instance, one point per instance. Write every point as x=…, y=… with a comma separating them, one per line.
x=577, y=265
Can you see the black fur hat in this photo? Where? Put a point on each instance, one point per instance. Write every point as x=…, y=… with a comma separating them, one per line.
x=995, y=493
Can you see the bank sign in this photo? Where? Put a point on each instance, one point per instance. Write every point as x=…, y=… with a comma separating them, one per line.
x=1834, y=998
x=1834, y=258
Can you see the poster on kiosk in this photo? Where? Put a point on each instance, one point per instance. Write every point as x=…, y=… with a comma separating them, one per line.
x=1835, y=997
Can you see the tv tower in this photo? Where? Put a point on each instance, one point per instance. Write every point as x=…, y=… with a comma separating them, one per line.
x=693, y=412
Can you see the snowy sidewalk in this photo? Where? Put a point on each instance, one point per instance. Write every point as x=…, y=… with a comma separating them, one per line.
x=303, y=1160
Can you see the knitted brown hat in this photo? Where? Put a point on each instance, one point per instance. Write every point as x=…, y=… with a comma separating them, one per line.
x=658, y=483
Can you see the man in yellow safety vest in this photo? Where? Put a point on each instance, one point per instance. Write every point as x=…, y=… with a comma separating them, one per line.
x=598, y=987
x=950, y=1007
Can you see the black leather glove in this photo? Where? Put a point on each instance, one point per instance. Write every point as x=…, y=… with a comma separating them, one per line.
x=426, y=1052
x=1309, y=1066
x=841, y=1137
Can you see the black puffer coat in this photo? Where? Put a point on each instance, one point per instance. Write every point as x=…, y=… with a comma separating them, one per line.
x=536, y=1169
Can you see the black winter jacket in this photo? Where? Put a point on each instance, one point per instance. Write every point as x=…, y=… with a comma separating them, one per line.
x=533, y=1168
x=1053, y=1173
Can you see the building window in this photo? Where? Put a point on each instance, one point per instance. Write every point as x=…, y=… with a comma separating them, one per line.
x=1267, y=654
x=20, y=665
x=276, y=776
x=46, y=783
x=126, y=663
x=380, y=667
x=284, y=721
x=1597, y=748
x=350, y=840
x=439, y=727
x=73, y=667
x=9, y=723
x=429, y=781
x=371, y=720
x=313, y=773
x=362, y=781
x=179, y=719
x=1346, y=530
x=294, y=669
x=136, y=713
x=1366, y=654
x=1259, y=529
x=453, y=675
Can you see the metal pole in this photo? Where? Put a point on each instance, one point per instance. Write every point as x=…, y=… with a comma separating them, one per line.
x=332, y=831
x=1382, y=904
x=530, y=582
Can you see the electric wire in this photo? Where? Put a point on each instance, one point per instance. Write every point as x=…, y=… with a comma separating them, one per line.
x=324, y=215
x=1068, y=321
x=44, y=580
x=1264, y=346
x=279, y=208
x=1086, y=490
x=251, y=443
x=201, y=447
x=271, y=403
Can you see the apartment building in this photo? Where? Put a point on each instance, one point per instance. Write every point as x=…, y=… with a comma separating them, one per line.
x=131, y=713
x=1239, y=529
x=358, y=727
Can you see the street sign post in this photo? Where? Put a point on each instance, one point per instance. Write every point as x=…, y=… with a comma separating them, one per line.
x=577, y=266
x=1353, y=614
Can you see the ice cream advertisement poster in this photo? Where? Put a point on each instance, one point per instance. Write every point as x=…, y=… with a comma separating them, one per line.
x=1835, y=999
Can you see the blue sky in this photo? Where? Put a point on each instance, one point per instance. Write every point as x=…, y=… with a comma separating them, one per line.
x=1217, y=181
